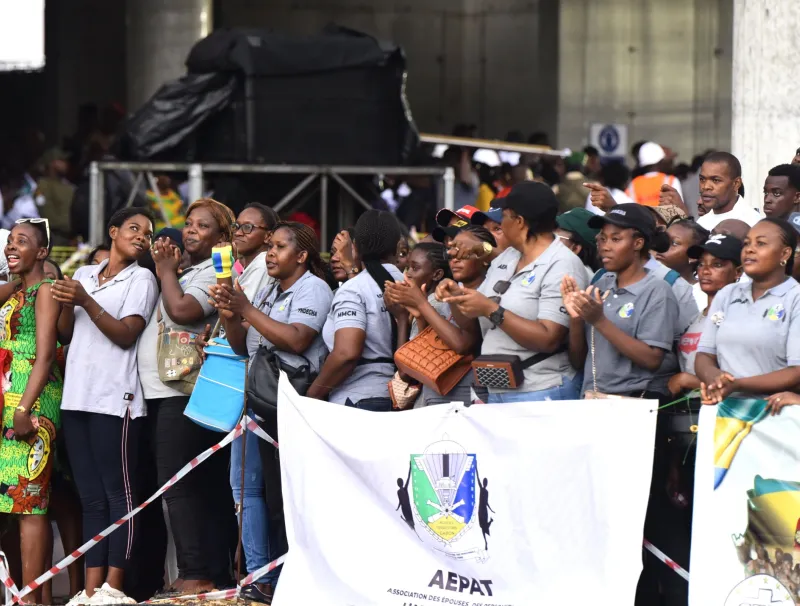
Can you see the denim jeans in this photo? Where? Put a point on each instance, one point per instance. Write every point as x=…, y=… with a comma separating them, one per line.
x=255, y=524
x=566, y=391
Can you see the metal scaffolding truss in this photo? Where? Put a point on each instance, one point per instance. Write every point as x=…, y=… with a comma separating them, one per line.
x=196, y=171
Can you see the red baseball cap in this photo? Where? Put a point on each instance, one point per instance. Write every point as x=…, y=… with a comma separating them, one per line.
x=444, y=216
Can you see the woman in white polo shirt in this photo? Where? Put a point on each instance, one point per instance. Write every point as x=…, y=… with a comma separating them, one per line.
x=106, y=308
x=751, y=339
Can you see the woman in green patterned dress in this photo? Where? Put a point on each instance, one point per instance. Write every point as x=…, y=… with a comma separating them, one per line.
x=31, y=386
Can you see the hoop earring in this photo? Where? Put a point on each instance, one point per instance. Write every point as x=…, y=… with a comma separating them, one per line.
x=783, y=263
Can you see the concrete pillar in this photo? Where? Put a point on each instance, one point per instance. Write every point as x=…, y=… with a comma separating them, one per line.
x=766, y=112
x=159, y=37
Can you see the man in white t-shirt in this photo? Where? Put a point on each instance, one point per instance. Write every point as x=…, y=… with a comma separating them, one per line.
x=721, y=191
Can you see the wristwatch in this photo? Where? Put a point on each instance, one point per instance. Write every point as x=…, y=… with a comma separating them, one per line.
x=497, y=316
x=487, y=248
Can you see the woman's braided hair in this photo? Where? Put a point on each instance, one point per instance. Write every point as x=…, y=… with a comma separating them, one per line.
x=306, y=240
x=480, y=232
x=377, y=233
x=437, y=255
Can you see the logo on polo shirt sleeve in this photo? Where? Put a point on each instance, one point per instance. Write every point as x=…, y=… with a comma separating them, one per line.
x=775, y=313
x=626, y=311
x=347, y=313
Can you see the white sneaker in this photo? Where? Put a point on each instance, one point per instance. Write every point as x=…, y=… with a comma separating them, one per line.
x=108, y=595
x=80, y=599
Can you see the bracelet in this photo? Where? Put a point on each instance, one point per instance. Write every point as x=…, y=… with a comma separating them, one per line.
x=22, y=409
x=99, y=315
x=223, y=261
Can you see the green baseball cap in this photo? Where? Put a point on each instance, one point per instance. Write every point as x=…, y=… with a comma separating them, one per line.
x=577, y=222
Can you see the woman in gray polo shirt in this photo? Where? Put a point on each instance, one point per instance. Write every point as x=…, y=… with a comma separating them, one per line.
x=518, y=306
x=106, y=308
x=628, y=314
x=199, y=505
x=751, y=339
x=360, y=332
x=287, y=317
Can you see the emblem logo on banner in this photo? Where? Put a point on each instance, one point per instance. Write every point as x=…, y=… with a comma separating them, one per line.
x=760, y=590
x=444, y=481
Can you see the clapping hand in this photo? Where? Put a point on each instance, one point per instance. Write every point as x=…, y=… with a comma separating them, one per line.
x=587, y=305
x=471, y=303
x=227, y=299
x=166, y=256
x=446, y=288
x=70, y=292
x=407, y=295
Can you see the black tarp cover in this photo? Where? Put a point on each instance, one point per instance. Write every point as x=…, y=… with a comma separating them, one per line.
x=256, y=52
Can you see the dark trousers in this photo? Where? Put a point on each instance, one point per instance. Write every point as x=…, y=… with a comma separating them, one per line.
x=103, y=452
x=145, y=574
x=201, y=509
x=668, y=523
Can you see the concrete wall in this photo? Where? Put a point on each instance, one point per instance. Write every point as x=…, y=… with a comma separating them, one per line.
x=661, y=66
x=489, y=62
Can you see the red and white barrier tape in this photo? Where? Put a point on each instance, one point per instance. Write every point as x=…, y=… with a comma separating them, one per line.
x=63, y=564
x=669, y=562
x=253, y=427
x=11, y=589
x=226, y=594
x=254, y=576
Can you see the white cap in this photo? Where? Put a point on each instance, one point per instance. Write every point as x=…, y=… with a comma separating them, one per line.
x=439, y=150
x=489, y=157
x=511, y=158
x=651, y=153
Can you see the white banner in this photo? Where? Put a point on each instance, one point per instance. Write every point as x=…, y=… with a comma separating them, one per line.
x=745, y=540
x=491, y=505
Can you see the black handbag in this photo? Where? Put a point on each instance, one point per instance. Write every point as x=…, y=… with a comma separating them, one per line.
x=262, y=381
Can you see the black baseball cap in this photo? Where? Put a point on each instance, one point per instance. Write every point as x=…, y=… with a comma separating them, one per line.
x=721, y=246
x=630, y=215
x=533, y=201
x=439, y=233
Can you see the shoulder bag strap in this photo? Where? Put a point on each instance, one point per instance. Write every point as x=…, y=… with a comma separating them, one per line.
x=600, y=273
x=541, y=357
x=671, y=277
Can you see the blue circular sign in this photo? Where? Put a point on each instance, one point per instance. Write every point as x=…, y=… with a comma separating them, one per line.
x=609, y=139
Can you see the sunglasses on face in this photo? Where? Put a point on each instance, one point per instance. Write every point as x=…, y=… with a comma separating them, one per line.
x=500, y=287
x=37, y=220
x=247, y=228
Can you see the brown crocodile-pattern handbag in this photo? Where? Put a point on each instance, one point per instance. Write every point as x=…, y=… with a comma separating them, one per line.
x=431, y=362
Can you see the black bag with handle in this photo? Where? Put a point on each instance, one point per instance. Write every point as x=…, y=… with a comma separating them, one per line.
x=262, y=380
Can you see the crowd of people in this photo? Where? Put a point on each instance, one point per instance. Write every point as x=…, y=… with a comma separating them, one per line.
x=640, y=289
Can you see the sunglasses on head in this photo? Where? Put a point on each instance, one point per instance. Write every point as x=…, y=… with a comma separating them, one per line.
x=37, y=220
